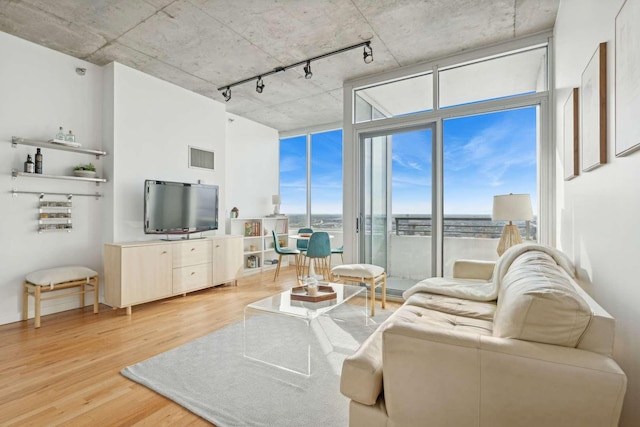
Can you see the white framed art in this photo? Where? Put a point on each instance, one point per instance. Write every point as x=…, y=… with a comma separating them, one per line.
x=627, y=78
x=571, y=140
x=593, y=110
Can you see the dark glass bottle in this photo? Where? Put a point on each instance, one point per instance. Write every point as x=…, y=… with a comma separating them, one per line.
x=38, y=161
x=28, y=165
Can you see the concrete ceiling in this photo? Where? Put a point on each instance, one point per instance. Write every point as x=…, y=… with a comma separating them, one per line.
x=201, y=45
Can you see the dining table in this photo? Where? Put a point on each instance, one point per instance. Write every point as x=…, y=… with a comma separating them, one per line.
x=305, y=236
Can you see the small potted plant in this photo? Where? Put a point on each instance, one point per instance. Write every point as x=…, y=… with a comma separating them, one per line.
x=85, y=171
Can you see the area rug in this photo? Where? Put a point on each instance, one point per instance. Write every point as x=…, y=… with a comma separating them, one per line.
x=211, y=377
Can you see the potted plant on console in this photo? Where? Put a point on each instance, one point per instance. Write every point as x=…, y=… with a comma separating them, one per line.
x=85, y=171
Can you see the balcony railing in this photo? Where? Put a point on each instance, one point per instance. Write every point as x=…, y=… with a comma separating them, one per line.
x=459, y=226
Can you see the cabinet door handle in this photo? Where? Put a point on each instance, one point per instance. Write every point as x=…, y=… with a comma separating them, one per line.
x=193, y=249
x=217, y=246
x=193, y=272
x=164, y=252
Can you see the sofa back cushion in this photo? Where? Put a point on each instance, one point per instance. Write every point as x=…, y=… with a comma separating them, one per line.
x=537, y=302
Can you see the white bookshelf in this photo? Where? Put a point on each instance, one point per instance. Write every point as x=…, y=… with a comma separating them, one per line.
x=258, y=248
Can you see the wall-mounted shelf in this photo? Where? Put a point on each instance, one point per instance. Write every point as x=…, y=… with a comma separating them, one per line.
x=15, y=174
x=16, y=140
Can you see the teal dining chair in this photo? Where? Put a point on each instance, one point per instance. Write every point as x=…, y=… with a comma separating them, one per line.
x=340, y=251
x=283, y=251
x=319, y=252
x=302, y=243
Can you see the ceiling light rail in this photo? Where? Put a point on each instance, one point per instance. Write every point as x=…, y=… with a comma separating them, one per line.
x=367, y=56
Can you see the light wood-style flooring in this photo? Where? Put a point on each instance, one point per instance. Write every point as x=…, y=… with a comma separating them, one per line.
x=68, y=371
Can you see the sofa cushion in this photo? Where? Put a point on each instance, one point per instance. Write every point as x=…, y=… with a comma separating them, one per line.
x=537, y=302
x=361, y=378
x=432, y=319
x=456, y=306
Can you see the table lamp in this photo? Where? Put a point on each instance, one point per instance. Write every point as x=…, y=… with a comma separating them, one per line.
x=275, y=199
x=511, y=207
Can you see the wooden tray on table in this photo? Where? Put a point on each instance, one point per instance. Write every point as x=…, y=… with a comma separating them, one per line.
x=325, y=293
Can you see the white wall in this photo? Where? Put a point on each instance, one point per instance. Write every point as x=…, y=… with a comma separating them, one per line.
x=145, y=124
x=598, y=210
x=253, y=158
x=154, y=123
x=40, y=92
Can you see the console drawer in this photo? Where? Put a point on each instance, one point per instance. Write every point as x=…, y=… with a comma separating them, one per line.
x=192, y=253
x=191, y=277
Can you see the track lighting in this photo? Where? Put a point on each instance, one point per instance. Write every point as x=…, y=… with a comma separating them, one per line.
x=227, y=94
x=367, y=55
x=307, y=71
x=368, y=58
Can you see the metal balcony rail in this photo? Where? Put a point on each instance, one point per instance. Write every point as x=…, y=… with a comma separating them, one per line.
x=473, y=226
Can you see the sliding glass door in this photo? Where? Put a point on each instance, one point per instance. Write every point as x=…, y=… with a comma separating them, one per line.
x=396, y=204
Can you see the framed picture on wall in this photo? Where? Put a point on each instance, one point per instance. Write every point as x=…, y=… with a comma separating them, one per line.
x=593, y=110
x=627, y=78
x=571, y=140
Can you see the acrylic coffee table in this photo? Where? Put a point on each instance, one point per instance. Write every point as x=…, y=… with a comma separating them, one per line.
x=284, y=339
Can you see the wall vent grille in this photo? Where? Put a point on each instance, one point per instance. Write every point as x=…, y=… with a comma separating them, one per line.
x=202, y=159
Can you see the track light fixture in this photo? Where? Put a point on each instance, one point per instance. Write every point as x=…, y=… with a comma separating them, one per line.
x=367, y=54
x=368, y=58
x=307, y=71
x=259, y=85
x=227, y=94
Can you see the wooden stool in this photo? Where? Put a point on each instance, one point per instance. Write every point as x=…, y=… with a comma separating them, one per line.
x=373, y=275
x=55, y=279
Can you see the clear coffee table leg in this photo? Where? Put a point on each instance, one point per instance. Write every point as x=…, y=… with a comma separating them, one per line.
x=263, y=345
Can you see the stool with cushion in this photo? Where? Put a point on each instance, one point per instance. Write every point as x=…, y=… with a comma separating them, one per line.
x=55, y=279
x=370, y=274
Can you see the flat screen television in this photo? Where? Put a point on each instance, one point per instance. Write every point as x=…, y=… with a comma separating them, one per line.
x=179, y=207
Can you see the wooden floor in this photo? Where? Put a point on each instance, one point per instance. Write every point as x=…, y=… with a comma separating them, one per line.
x=68, y=371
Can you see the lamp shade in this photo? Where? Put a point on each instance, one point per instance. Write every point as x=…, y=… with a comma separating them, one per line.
x=275, y=199
x=512, y=207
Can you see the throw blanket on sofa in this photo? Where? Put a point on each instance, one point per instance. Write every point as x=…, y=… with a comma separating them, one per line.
x=477, y=290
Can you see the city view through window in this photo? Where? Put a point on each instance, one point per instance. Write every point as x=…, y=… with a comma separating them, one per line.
x=484, y=155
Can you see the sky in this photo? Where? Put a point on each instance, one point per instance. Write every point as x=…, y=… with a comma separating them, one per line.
x=484, y=155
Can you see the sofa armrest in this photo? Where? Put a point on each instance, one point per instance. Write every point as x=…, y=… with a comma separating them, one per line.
x=460, y=378
x=361, y=378
x=473, y=269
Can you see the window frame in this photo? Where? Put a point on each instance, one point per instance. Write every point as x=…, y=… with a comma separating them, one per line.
x=546, y=146
x=308, y=138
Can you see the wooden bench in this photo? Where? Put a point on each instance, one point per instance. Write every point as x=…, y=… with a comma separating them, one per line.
x=55, y=279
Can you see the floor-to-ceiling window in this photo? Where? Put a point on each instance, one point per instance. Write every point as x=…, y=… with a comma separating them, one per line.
x=311, y=181
x=293, y=180
x=489, y=116
x=485, y=155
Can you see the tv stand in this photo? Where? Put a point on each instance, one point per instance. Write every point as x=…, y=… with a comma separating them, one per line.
x=140, y=272
x=181, y=237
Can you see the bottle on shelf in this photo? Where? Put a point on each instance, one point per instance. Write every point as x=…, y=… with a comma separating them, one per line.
x=70, y=137
x=38, y=161
x=60, y=135
x=29, y=167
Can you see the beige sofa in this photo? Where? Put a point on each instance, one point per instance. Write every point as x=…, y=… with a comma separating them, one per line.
x=518, y=344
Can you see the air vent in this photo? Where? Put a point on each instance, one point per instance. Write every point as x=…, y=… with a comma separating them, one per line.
x=199, y=158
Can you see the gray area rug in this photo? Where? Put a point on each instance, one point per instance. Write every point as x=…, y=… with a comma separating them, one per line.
x=211, y=377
